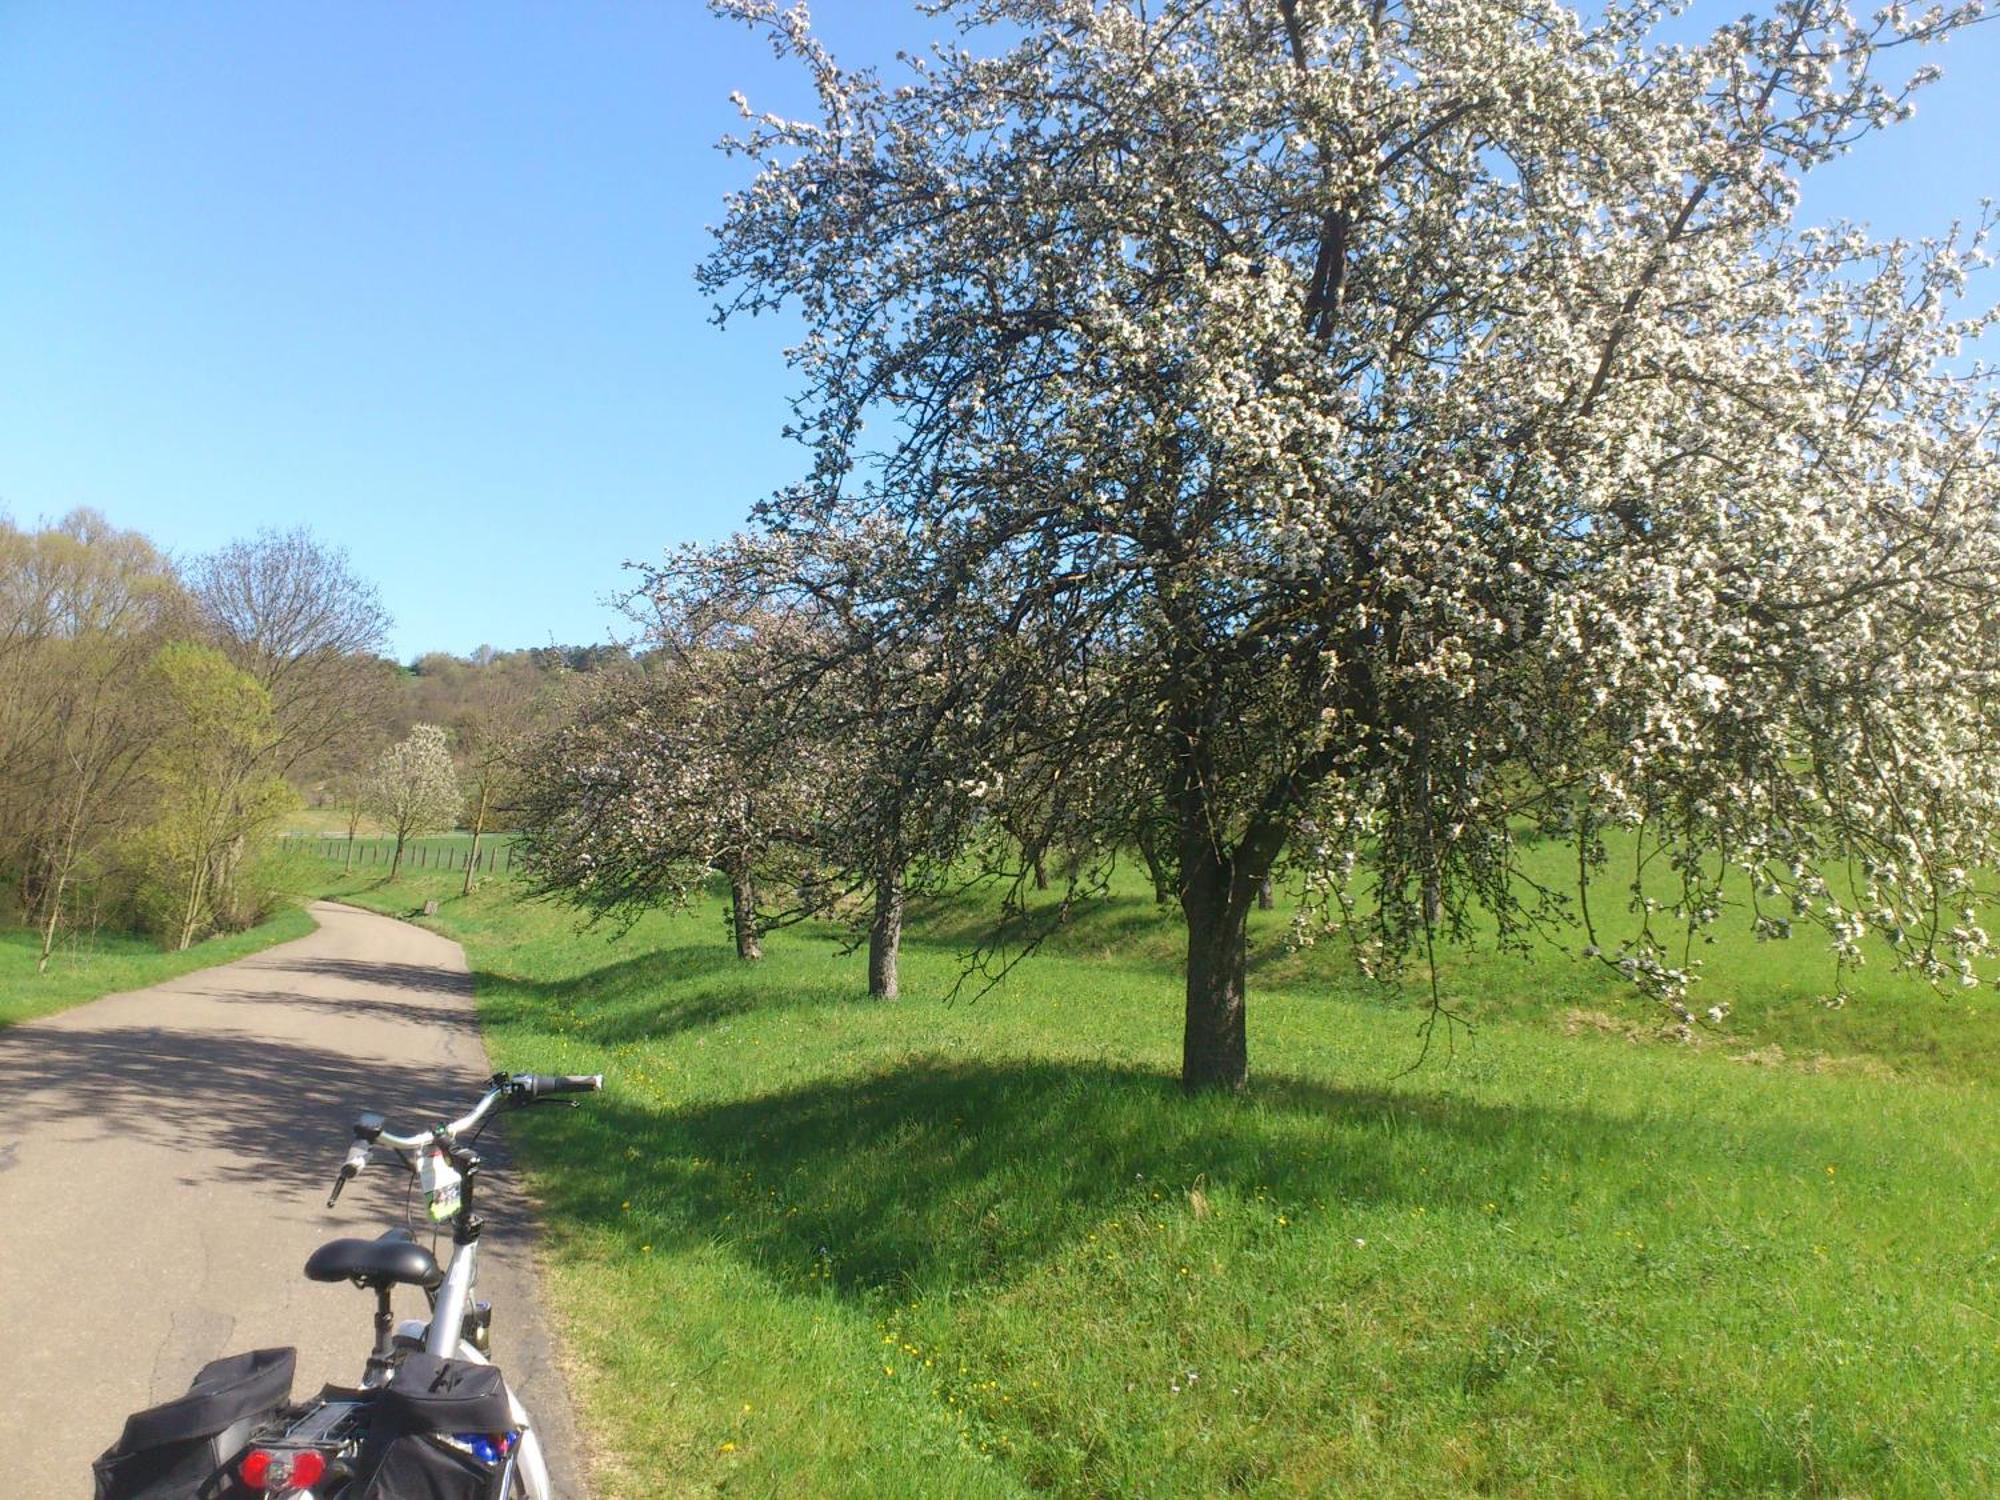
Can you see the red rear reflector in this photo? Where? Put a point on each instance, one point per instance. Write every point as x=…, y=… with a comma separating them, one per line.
x=307, y=1469
x=263, y=1469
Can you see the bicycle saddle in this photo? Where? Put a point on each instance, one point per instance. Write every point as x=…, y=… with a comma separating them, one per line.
x=394, y=1257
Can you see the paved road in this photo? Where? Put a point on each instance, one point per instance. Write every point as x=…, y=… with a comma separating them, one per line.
x=164, y=1162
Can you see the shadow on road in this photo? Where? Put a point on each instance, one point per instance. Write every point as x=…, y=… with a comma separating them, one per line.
x=400, y=1011
x=283, y=1107
x=357, y=971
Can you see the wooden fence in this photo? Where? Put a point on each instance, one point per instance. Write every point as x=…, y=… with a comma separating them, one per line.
x=496, y=857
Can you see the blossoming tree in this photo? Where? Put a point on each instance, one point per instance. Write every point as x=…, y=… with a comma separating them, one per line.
x=766, y=738
x=413, y=787
x=649, y=782
x=1386, y=426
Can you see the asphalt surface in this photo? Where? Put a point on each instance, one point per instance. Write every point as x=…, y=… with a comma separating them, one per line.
x=165, y=1157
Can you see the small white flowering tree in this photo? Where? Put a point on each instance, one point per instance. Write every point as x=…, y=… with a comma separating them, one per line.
x=1366, y=429
x=413, y=788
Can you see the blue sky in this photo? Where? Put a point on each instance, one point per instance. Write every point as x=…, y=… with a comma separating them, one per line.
x=421, y=277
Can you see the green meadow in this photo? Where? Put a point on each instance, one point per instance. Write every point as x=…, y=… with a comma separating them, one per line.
x=812, y=1245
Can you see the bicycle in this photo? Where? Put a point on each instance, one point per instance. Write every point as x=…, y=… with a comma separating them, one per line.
x=428, y=1384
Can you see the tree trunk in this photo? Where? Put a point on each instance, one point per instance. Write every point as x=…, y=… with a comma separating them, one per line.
x=1041, y=869
x=1266, y=899
x=49, y=927
x=1214, y=1047
x=478, y=827
x=743, y=912
x=397, y=863
x=1149, y=851
x=885, y=935
x=59, y=887
x=222, y=881
x=197, y=881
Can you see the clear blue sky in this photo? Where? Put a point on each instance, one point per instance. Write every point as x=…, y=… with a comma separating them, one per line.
x=420, y=277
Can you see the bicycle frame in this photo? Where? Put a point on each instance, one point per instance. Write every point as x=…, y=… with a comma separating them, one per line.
x=444, y=1333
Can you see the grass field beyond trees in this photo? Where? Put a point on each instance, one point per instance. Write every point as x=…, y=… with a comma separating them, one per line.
x=809, y=1245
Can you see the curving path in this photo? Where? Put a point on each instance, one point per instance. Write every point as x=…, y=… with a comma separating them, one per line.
x=165, y=1157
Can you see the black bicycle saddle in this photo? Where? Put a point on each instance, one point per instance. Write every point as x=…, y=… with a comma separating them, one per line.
x=393, y=1258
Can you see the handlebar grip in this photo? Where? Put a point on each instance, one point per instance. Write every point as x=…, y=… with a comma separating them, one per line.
x=535, y=1086
x=357, y=1158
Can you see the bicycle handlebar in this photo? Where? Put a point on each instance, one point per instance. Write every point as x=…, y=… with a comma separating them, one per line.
x=533, y=1086
x=516, y=1089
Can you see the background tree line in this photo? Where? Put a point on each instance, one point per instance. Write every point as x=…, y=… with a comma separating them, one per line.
x=160, y=717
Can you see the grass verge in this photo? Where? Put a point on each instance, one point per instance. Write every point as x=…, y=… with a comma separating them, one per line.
x=807, y=1245
x=110, y=963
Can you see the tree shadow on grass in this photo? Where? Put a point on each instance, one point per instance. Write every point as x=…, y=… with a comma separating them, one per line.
x=659, y=993
x=1112, y=929
x=941, y=1175
x=1134, y=935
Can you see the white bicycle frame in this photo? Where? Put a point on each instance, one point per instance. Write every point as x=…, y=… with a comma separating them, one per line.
x=444, y=1334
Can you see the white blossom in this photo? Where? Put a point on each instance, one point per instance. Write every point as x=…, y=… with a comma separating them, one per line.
x=1398, y=430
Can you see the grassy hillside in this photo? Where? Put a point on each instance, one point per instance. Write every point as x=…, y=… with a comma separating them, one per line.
x=85, y=967
x=808, y=1245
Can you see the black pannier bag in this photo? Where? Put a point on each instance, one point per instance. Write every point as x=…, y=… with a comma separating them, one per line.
x=181, y=1450
x=413, y=1450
